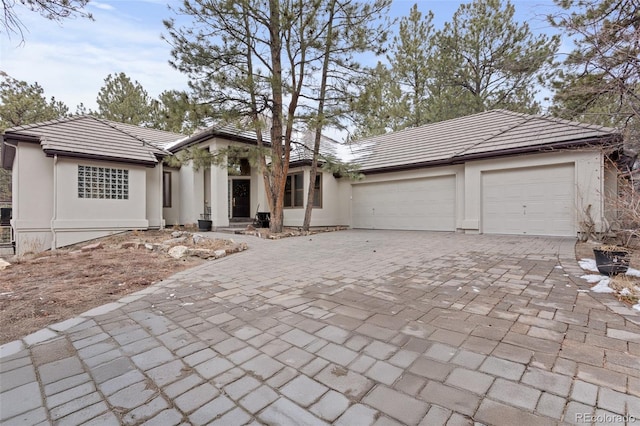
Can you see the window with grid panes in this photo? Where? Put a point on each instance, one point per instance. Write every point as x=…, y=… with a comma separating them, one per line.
x=294, y=190
x=103, y=183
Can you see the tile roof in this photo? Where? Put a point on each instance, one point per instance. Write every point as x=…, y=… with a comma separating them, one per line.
x=159, y=138
x=224, y=131
x=91, y=137
x=302, y=147
x=480, y=135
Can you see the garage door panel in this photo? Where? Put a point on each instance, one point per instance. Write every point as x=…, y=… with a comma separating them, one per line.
x=532, y=201
x=420, y=204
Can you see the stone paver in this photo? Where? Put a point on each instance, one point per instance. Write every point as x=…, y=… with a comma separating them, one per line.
x=352, y=327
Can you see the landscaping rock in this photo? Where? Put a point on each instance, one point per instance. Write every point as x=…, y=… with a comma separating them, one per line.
x=90, y=247
x=197, y=238
x=4, y=264
x=178, y=252
x=175, y=241
x=177, y=234
x=148, y=246
x=201, y=253
x=220, y=253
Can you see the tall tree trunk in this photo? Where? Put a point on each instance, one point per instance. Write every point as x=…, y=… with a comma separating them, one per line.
x=320, y=121
x=279, y=167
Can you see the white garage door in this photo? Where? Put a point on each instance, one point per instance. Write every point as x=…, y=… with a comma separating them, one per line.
x=417, y=204
x=531, y=201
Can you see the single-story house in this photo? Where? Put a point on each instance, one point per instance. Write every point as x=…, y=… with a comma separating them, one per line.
x=80, y=178
x=494, y=172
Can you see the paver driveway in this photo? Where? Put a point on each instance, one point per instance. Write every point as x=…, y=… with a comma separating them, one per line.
x=353, y=327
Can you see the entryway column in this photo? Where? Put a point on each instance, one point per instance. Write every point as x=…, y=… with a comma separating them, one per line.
x=219, y=193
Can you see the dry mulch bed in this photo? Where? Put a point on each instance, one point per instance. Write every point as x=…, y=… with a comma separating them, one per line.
x=39, y=290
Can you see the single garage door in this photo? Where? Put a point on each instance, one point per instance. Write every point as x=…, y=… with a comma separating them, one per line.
x=416, y=204
x=531, y=201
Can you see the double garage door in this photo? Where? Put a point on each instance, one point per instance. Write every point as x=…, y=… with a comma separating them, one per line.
x=524, y=201
x=531, y=201
x=416, y=204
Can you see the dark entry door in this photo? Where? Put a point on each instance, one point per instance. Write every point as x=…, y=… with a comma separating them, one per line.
x=240, y=198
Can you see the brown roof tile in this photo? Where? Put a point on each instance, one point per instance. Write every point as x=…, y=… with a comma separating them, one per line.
x=484, y=134
x=88, y=136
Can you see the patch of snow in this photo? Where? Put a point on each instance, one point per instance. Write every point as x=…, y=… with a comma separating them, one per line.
x=476, y=290
x=636, y=307
x=558, y=267
x=603, y=287
x=625, y=292
x=633, y=272
x=590, y=278
x=588, y=265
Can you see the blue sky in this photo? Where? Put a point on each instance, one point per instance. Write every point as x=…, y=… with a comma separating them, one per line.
x=71, y=59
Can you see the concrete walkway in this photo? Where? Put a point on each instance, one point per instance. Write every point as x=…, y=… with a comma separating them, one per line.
x=350, y=328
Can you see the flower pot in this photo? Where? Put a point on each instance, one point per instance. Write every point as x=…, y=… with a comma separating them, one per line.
x=204, y=225
x=612, y=261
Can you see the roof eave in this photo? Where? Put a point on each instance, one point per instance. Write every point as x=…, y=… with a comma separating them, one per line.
x=458, y=159
x=9, y=151
x=86, y=156
x=593, y=142
x=207, y=135
x=405, y=167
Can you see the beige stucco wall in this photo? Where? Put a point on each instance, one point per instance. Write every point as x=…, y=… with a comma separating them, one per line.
x=172, y=214
x=48, y=212
x=219, y=187
x=32, y=199
x=330, y=214
x=191, y=194
x=154, y=197
x=80, y=219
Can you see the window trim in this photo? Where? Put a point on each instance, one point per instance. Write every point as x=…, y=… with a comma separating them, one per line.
x=317, y=193
x=293, y=178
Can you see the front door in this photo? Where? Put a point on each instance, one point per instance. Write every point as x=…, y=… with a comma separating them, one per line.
x=240, y=198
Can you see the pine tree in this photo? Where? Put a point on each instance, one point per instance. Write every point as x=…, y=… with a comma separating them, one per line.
x=254, y=58
x=602, y=80
x=124, y=101
x=23, y=103
x=491, y=60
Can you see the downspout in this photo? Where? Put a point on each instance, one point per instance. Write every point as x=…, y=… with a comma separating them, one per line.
x=161, y=193
x=14, y=197
x=55, y=202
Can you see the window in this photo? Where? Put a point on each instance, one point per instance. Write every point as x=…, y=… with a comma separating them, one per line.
x=103, y=182
x=317, y=191
x=166, y=189
x=239, y=167
x=294, y=190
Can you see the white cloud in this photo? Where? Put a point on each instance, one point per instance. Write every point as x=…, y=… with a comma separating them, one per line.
x=71, y=59
x=99, y=5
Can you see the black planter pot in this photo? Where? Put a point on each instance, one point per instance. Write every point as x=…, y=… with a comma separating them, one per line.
x=611, y=262
x=204, y=225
